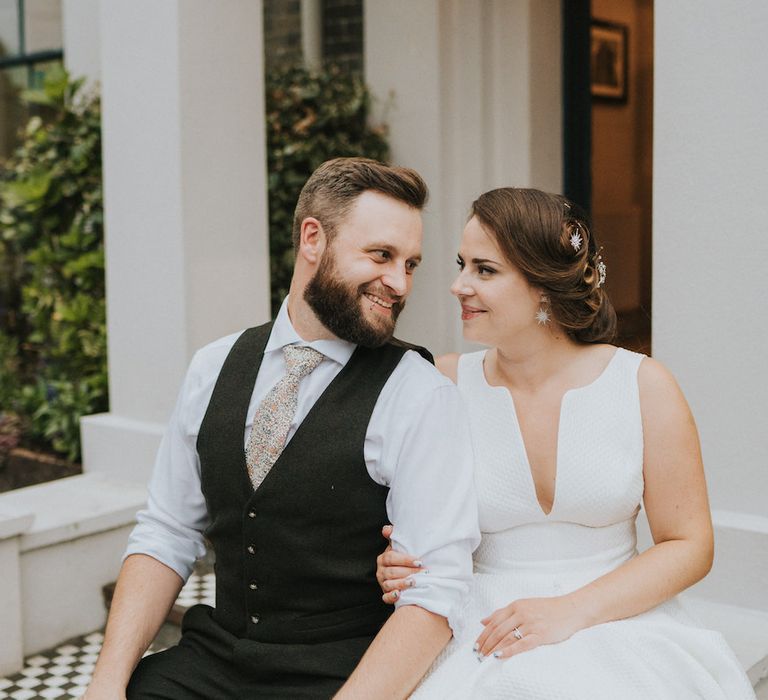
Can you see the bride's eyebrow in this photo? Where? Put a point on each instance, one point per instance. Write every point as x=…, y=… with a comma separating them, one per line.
x=483, y=261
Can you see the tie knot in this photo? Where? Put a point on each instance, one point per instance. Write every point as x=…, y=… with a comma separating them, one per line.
x=300, y=360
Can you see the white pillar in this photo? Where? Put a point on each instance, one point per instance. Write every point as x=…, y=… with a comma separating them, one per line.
x=81, y=34
x=471, y=94
x=312, y=33
x=710, y=251
x=186, y=207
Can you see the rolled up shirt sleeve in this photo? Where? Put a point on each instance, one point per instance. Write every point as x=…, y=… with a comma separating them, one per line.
x=170, y=528
x=425, y=457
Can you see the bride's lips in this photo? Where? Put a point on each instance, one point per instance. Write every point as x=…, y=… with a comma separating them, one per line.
x=470, y=312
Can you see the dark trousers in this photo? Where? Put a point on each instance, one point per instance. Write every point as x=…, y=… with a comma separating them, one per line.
x=209, y=663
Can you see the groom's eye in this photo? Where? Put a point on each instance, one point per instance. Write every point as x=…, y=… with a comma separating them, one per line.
x=381, y=254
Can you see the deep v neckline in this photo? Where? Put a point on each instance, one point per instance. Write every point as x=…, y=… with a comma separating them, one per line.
x=521, y=437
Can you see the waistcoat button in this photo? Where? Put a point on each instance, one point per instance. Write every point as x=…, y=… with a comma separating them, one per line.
x=255, y=619
x=251, y=513
x=253, y=585
x=251, y=549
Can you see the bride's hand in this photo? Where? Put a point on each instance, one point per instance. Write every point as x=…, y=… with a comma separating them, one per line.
x=527, y=623
x=394, y=570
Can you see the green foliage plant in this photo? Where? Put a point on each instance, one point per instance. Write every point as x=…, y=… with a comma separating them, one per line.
x=51, y=228
x=311, y=116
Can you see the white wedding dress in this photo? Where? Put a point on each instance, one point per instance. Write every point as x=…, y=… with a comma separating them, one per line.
x=661, y=654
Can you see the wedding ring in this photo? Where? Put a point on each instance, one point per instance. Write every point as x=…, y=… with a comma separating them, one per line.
x=518, y=634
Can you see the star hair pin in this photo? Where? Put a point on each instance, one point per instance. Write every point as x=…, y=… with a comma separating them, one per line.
x=576, y=241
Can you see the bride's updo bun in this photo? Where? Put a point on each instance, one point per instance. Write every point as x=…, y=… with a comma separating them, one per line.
x=549, y=240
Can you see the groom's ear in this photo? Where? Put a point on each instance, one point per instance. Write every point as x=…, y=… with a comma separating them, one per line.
x=312, y=240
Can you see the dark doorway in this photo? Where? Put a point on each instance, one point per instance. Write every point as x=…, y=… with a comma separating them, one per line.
x=607, y=144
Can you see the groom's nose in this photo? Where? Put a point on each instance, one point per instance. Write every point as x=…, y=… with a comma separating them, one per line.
x=396, y=279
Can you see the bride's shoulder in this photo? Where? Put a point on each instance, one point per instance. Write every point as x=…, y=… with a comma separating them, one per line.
x=449, y=365
x=453, y=362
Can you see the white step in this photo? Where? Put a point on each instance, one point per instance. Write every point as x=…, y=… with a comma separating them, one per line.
x=69, y=551
x=745, y=630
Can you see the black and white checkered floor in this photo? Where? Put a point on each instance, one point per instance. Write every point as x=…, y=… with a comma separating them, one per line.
x=64, y=672
x=200, y=588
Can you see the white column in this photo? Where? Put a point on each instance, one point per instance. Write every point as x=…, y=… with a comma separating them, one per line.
x=312, y=33
x=710, y=250
x=186, y=207
x=81, y=34
x=471, y=94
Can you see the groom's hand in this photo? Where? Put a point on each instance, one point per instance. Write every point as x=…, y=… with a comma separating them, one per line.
x=395, y=570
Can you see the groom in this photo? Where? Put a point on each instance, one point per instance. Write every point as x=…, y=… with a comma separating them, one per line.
x=290, y=445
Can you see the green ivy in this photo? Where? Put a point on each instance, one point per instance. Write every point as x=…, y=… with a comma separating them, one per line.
x=51, y=219
x=311, y=117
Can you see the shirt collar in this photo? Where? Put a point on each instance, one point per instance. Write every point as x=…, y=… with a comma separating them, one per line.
x=283, y=333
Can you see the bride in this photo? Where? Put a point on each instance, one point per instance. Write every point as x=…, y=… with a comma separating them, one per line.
x=570, y=433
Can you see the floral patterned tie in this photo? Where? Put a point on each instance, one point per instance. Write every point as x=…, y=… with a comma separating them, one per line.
x=274, y=415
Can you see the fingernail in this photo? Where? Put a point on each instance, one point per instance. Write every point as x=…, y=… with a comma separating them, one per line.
x=395, y=594
x=475, y=647
x=418, y=562
x=496, y=654
x=480, y=658
x=410, y=582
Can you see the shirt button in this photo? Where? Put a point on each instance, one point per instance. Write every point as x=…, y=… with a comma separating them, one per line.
x=253, y=585
x=251, y=549
x=251, y=513
x=255, y=619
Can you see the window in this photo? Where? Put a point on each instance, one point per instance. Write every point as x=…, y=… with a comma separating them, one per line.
x=30, y=42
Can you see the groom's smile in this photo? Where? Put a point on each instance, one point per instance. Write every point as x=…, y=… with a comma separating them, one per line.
x=366, y=272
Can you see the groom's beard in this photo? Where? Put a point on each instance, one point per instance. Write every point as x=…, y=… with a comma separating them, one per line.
x=339, y=307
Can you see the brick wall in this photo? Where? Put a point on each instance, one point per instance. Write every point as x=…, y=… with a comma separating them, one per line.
x=342, y=32
x=282, y=33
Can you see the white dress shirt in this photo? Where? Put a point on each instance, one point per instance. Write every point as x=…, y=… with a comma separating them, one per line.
x=417, y=443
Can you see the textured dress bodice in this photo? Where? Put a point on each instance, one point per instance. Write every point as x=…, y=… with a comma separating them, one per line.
x=592, y=521
x=526, y=553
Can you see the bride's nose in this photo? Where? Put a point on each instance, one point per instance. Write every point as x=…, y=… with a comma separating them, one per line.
x=461, y=287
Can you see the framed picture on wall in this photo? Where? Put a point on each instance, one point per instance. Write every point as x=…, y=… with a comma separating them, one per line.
x=608, y=60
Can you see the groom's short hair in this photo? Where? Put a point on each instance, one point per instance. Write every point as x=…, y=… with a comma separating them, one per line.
x=333, y=188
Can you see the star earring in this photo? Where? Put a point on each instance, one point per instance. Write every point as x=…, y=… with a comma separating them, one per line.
x=543, y=315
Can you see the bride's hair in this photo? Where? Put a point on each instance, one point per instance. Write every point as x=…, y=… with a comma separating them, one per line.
x=549, y=239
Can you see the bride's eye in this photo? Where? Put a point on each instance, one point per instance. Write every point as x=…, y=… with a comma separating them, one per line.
x=459, y=262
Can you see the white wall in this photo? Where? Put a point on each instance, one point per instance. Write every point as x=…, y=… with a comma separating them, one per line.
x=185, y=204
x=471, y=94
x=710, y=243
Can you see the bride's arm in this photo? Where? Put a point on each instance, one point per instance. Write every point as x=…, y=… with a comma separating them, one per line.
x=678, y=513
x=676, y=504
